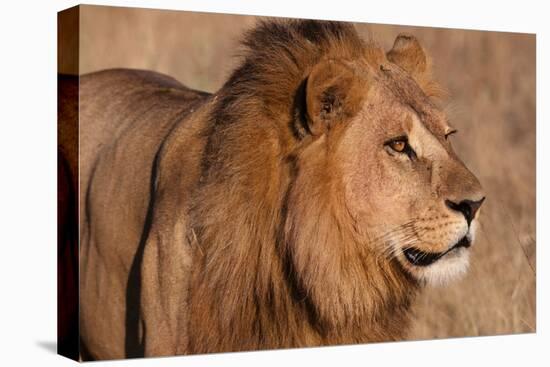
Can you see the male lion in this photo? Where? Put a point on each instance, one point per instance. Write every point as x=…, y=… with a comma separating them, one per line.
x=303, y=204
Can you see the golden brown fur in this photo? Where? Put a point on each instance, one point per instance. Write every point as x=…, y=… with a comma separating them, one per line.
x=260, y=216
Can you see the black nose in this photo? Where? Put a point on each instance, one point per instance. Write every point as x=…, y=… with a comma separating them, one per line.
x=468, y=208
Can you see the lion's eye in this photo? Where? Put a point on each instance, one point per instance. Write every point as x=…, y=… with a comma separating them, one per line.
x=401, y=145
x=398, y=145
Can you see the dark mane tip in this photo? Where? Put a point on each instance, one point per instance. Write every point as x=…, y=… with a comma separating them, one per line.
x=277, y=55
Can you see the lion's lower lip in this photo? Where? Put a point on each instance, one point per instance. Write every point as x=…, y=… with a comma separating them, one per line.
x=421, y=258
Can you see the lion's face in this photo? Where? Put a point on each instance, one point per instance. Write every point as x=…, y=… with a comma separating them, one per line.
x=394, y=194
x=411, y=196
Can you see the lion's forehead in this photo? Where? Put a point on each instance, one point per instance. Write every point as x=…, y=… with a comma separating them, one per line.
x=406, y=97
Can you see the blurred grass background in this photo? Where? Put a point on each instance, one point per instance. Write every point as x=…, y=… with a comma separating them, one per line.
x=491, y=80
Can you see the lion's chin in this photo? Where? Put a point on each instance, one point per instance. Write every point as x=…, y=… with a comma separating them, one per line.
x=451, y=267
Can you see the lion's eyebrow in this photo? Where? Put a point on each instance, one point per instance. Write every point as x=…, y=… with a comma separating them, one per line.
x=414, y=113
x=449, y=129
x=409, y=121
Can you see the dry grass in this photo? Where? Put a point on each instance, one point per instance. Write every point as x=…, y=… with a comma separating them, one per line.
x=491, y=79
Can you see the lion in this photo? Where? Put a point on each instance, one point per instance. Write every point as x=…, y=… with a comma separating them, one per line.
x=305, y=203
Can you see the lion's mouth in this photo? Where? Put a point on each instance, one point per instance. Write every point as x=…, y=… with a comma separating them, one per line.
x=421, y=258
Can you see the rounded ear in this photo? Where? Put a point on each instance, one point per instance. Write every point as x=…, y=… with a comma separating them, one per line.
x=334, y=92
x=408, y=54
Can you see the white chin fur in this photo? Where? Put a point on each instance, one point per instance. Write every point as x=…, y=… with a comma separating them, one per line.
x=449, y=268
x=473, y=230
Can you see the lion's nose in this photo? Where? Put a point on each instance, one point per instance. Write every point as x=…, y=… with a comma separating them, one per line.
x=468, y=208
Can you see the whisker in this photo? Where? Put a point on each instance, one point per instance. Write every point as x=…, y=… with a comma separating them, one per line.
x=405, y=234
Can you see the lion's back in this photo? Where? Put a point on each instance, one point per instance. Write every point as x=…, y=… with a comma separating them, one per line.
x=125, y=116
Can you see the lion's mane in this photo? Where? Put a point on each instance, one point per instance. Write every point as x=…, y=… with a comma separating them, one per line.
x=280, y=264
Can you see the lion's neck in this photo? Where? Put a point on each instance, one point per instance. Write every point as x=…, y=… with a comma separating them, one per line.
x=257, y=288
x=253, y=301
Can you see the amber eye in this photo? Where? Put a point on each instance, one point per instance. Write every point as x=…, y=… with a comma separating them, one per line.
x=398, y=145
x=401, y=145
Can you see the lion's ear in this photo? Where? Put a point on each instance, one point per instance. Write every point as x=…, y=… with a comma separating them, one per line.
x=408, y=54
x=333, y=93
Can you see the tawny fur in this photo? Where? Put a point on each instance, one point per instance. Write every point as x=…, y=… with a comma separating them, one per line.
x=214, y=223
